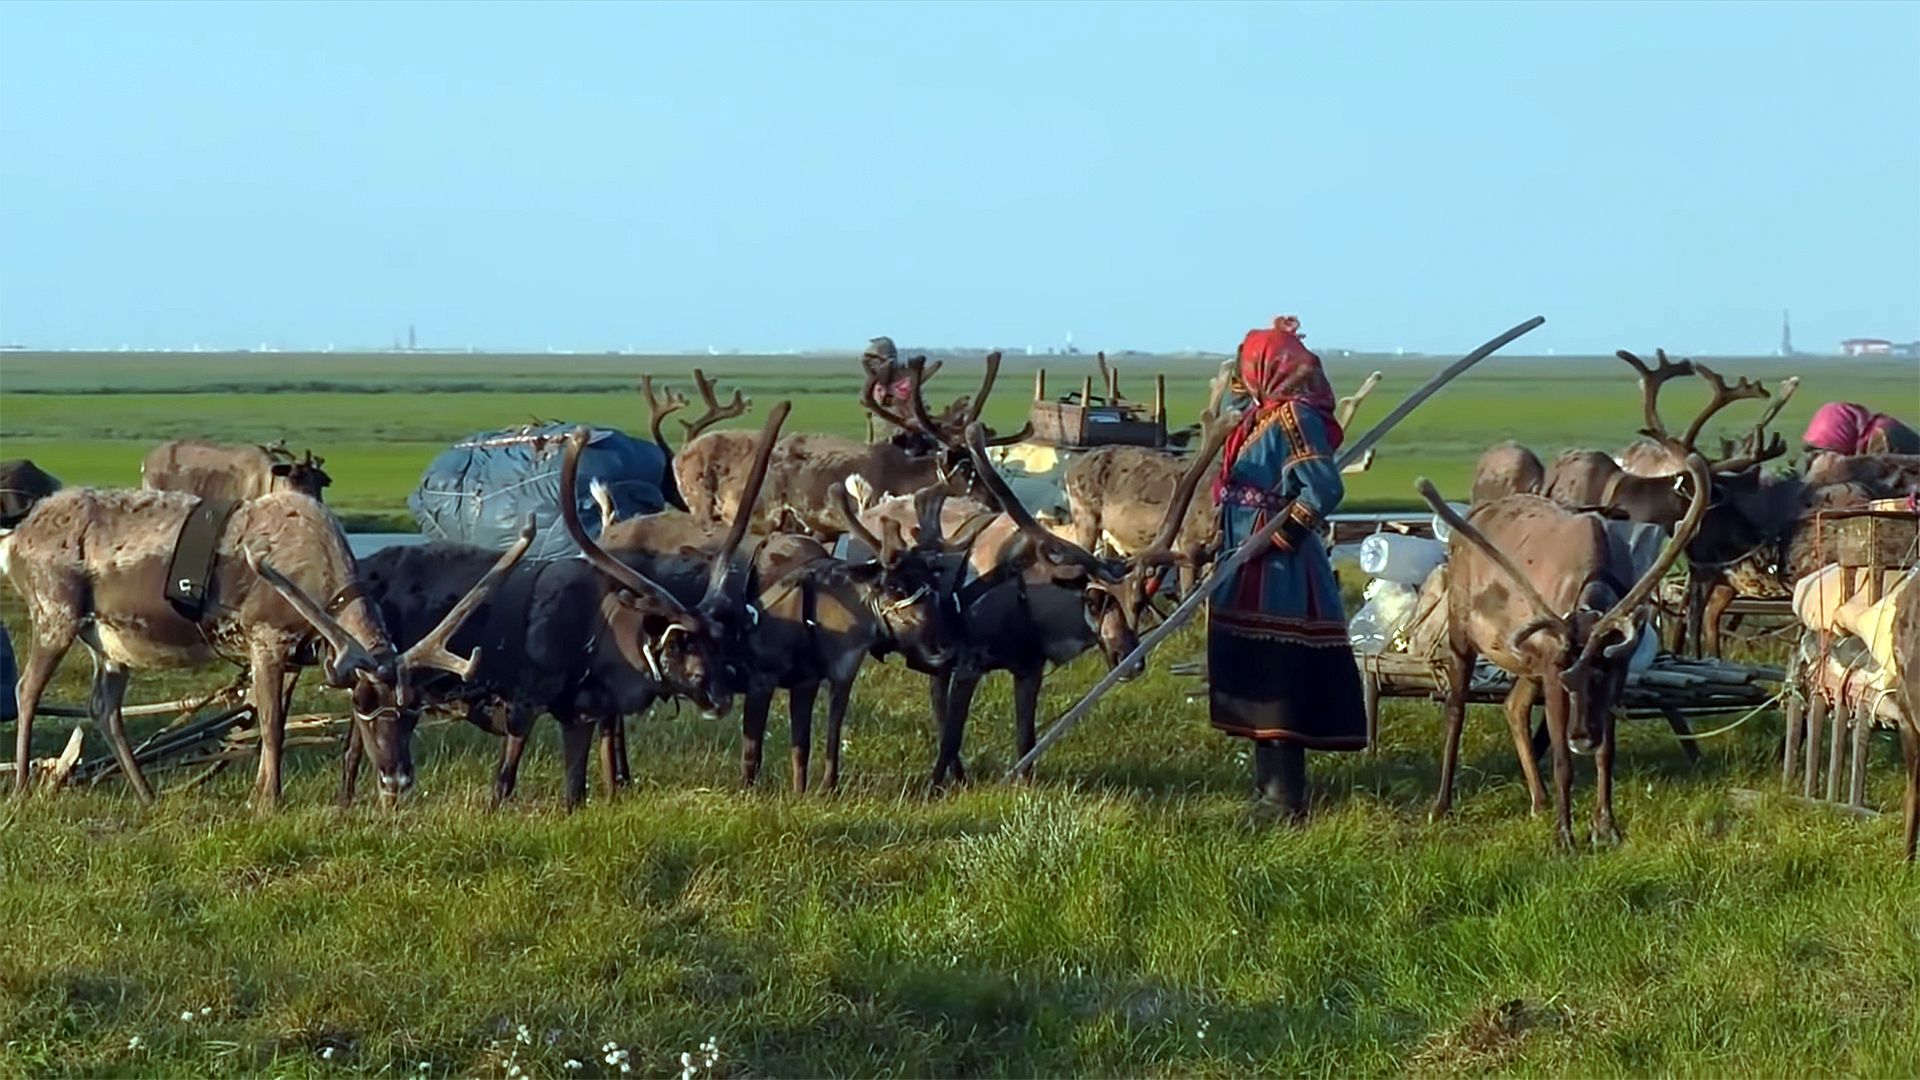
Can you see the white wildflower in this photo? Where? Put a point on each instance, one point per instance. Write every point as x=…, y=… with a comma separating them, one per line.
x=187, y=1017
x=523, y=1035
x=326, y=1053
x=624, y=1067
x=573, y=1065
x=133, y=1043
x=206, y=1010
x=610, y=1047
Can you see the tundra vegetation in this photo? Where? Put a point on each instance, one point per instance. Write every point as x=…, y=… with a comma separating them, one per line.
x=1126, y=915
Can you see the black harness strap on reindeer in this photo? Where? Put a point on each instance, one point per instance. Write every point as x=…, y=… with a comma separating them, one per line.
x=193, y=554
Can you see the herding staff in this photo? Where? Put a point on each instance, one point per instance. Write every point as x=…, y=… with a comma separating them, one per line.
x=1257, y=543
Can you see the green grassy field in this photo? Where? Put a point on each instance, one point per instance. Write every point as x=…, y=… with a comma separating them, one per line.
x=1128, y=916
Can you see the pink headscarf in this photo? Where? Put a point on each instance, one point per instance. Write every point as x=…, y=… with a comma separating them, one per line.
x=1843, y=427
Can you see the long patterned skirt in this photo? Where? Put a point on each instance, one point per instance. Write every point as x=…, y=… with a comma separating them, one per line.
x=1279, y=663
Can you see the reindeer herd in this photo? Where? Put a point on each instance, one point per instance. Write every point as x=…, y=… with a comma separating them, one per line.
x=785, y=560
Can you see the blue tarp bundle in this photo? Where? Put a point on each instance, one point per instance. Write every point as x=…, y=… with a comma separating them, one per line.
x=481, y=490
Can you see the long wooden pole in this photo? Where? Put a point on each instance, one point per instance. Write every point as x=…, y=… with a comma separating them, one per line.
x=1254, y=545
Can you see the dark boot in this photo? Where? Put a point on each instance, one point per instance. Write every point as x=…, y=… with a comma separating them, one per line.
x=1280, y=776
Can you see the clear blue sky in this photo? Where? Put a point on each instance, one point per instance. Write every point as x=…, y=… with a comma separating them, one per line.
x=599, y=175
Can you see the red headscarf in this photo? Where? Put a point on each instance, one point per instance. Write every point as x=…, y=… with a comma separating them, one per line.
x=1276, y=367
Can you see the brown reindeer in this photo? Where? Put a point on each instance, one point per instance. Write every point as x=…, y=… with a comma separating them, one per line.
x=231, y=473
x=1537, y=589
x=1507, y=468
x=926, y=451
x=1040, y=599
x=660, y=406
x=93, y=567
x=1118, y=497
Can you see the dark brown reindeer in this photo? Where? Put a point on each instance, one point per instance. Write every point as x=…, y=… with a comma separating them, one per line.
x=1041, y=599
x=22, y=485
x=1562, y=626
x=585, y=641
x=816, y=617
x=925, y=451
x=93, y=566
x=231, y=473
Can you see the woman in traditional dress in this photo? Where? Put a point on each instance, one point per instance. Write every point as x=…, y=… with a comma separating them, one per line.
x=1279, y=662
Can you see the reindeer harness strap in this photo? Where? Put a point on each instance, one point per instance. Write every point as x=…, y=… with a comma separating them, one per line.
x=193, y=553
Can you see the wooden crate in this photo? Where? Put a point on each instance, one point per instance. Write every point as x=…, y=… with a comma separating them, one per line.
x=1867, y=539
x=1057, y=423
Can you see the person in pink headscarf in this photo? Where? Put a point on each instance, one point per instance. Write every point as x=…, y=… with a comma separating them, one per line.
x=1842, y=427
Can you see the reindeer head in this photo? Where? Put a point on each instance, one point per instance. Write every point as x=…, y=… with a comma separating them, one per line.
x=687, y=652
x=914, y=589
x=1588, y=647
x=941, y=438
x=304, y=476
x=384, y=686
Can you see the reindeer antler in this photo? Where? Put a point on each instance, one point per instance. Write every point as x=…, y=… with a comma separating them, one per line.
x=432, y=651
x=1620, y=616
x=660, y=406
x=1723, y=396
x=716, y=412
x=1343, y=412
x=1216, y=423
x=1651, y=380
x=1059, y=548
x=1756, y=448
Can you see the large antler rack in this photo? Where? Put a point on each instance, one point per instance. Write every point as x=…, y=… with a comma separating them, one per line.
x=1723, y=396
x=1216, y=423
x=1651, y=380
x=1756, y=449
x=1056, y=550
x=660, y=406
x=716, y=412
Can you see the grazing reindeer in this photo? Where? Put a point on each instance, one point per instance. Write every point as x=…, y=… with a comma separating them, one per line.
x=816, y=618
x=1513, y=616
x=1041, y=598
x=927, y=451
x=231, y=473
x=586, y=641
x=94, y=566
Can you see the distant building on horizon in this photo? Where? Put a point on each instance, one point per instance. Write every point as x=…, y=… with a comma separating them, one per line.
x=1866, y=347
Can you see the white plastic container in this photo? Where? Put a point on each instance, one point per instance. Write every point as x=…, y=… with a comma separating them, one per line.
x=1399, y=558
x=1441, y=530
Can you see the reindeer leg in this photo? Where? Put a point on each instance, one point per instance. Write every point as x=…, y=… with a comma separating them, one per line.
x=109, y=690
x=1519, y=709
x=753, y=734
x=48, y=649
x=938, y=690
x=953, y=733
x=838, y=695
x=1557, y=703
x=350, y=758
x=576, y=742
x=1718, y=600
x=519, y=723
x=1459, y=670
x=1026, y=704
x=269, y=670
x=800, y=732
x=1605, y=829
